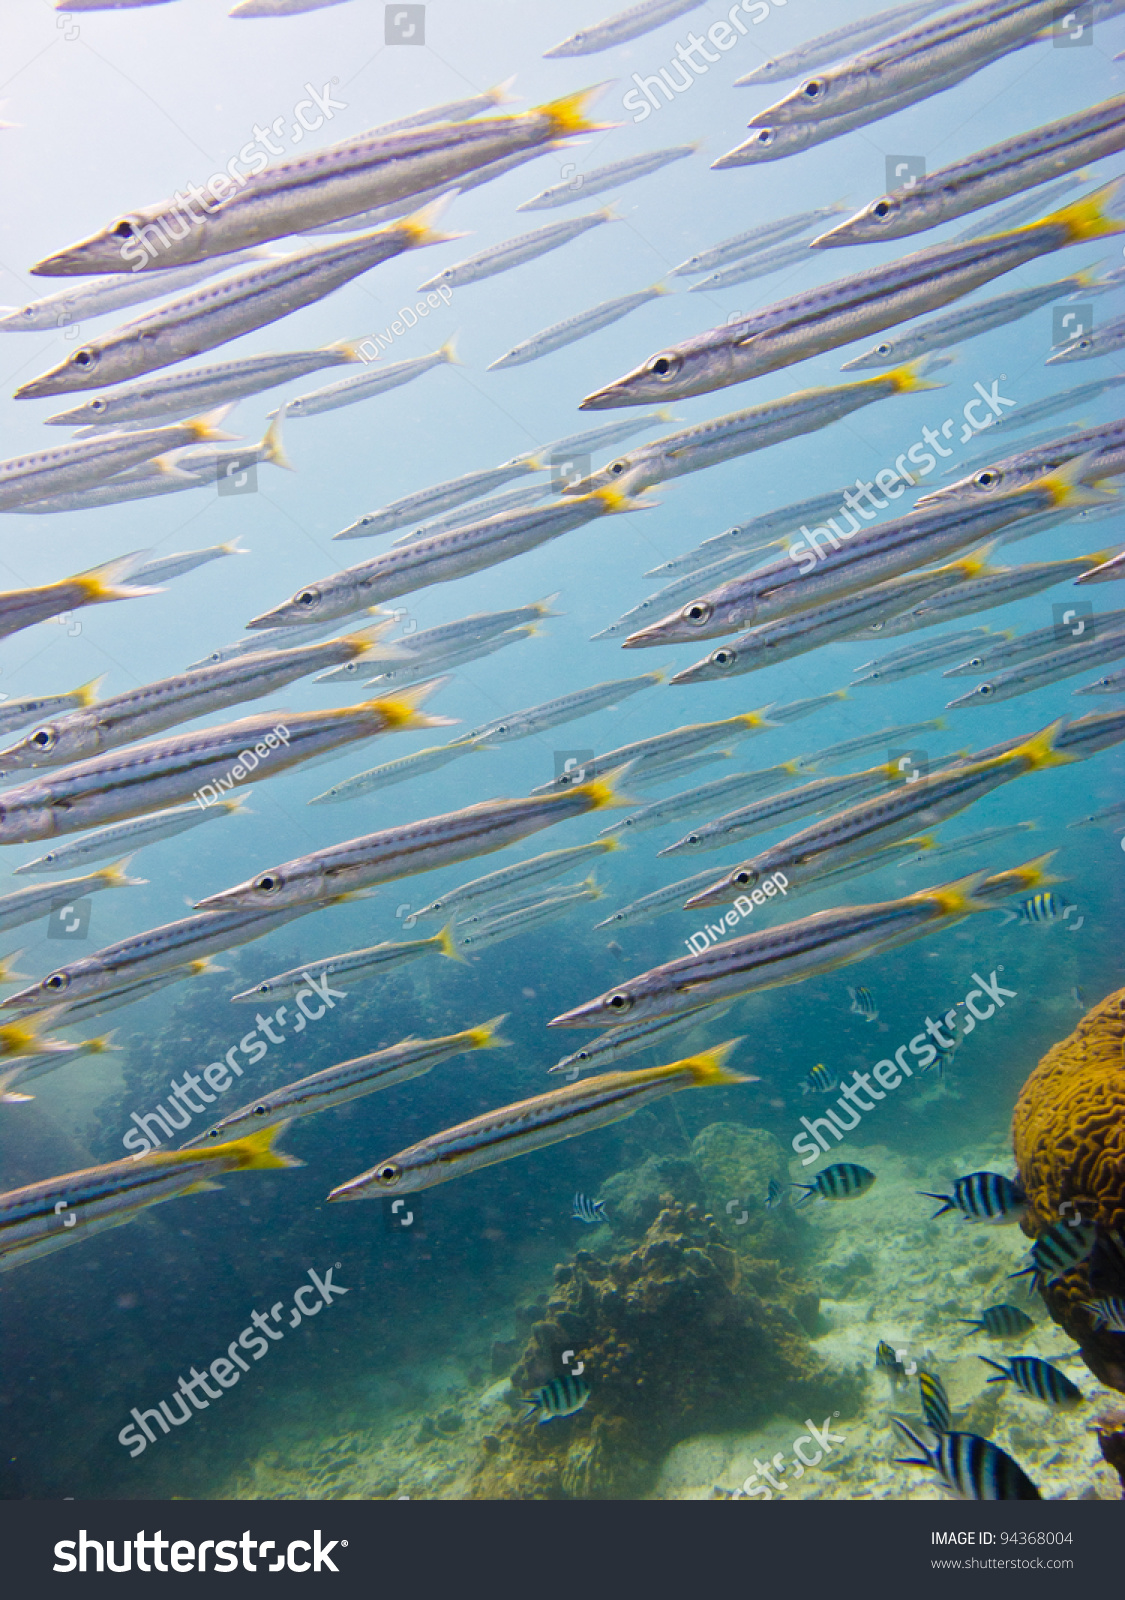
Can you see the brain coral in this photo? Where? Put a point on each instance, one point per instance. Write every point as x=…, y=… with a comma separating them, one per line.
x=1068, y=1130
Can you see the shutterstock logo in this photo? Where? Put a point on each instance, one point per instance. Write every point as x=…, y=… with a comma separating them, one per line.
x=299, y=1555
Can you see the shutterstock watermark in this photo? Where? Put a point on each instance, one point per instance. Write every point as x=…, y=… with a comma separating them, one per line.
x=894, y=481
x=642, y=100
x=822, y=1436
x=248, y=762
x=142, y=244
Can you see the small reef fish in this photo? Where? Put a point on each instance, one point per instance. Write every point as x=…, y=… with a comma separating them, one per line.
x=983, y=1197
x=935, y=1402
x=1036, y=1378
x=1057, y=1251
x=972, y=1467
x=515, y=1130
x=1000, y=1322
x=1045, y=907
x=821, y=1080
x=1107, y=1313
x=841, y=1181
x=887, y=1361
x=562, y=1397
x=775, y=1195
x=863, y=1004
x=587, y=1210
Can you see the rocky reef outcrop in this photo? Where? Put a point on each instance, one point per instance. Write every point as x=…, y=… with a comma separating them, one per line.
x=1068, y=1131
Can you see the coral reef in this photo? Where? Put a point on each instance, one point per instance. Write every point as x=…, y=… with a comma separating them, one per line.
x=1110, y=1429
x=1068, y=1131
x=679, y=1334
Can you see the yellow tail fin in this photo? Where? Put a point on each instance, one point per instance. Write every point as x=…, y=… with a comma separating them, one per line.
x=109, y=581
x=1029, y=875
x=908, y=379
x=116, y=877
x=1067, y=486
x=402, y=712
x=8, y=973
x=595, y=889
x=617, y=499
x=710, y=1068
x=370, y=641
x=602, y=791
x=488, y=1036
x=206, y=429
x=253, y=1153
x=568, y=114
x=448, y=351
x=1039, y=751
x=956, y=898
x=1087, y=218
x=271, y=446
x=609, y=844
x=87, y=693
x=421, y=226
x=446, y=943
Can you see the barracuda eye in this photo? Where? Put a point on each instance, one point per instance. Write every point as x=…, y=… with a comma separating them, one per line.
x=307, y=598
x=882, y=349
x=389, y=1172
x=212, y=1133
x=691, y=838
x=975, y=662
x=765, y=137
x=501, y=727
x=813, y=89
x=85, y=358
x=619, y=1002
x=617, y=468
x=699, y=611
x=56, y=982
x=259, y=1111
x=723, y=658
x=99, y=405
x=988, y=479
x=268, y=883
x=884, y=208
x=985, y=689
x=666, y=365
x=43, y=738
x=744, y=878
x=581, y=1055
x=125, y=229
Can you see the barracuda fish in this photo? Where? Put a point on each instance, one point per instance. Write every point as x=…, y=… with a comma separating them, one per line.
x=916, y=658
x=835, y=619
x=73, y=1015
x=656, y=775
x=84, y=300
x=391, y=677
x=732, y=565
x=1008, y=650
x=392, y=772
x=33, y=1217
x=514, y=252
x=761, y=265
x=659, y=903
x=889, y=817
x=205, y=465
x=967, y=38
x=153, y=707
x=599, y=179
x=1023, y=211
x=480, y=625
x=751, y=537
x=412, y=847
x=275, y=639
x=377, y=380
x=618, y=1043
x=935, y=849
x=349, y=1080
x=907, y=851
x=889, y=738
x=805, y=577
x=450, y=110
x=483, y=934
x=26, y=905
x=1050, y=668
x=997, y=586
x=1103, y=447
x=967, y=322
x=1025, y=416
x=1107, y=814
x=492, y=910
x=16, y=1079
x=774, y=141
x=137, y=483
x=216, y=313
x=1101, y=341
x=840, y=43
x=537, y=869
x=620, y=28
x=516, y=1130
x=754, y=240
x=591, y=439
x=780, y=955
x=1078, y=740
x=442, y=557
x=833, y=314
x=762, y=815
x=126, y=783
x=67, y=467
x=1111, y=683
x=510, y=500
x=993, y=174
x=705, y=444
x=161, y=569
x=439, y=497
x=17, y=713
x=322, y=186
x=577, y=327
x=552, y=713
x=703, y=799
x=663, y=747
x=22, y=608
x=128, y=836
x=201, y=388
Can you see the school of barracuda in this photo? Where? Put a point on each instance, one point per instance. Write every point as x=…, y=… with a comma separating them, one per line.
x=89, y=778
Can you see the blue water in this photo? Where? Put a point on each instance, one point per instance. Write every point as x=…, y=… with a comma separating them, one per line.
x=113, y=110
